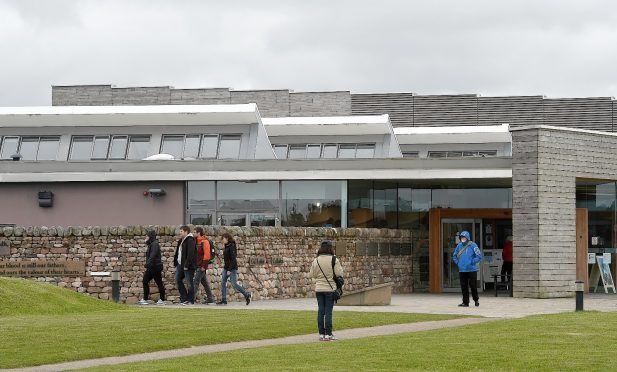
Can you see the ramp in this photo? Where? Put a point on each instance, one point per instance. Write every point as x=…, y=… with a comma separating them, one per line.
x=377, y=295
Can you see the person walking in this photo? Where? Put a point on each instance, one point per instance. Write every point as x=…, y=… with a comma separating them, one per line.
x=185, y=263
x=230, y=270
x=154, y=269
x=323, y=269
x=204, y=256
x=506, y=254
x=467, y=255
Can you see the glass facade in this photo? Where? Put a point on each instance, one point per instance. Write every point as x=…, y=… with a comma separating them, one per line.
x=311, y=203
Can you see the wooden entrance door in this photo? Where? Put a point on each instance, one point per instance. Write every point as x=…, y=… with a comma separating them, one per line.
x=582, y=236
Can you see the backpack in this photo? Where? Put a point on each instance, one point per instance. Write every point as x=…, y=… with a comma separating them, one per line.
x=210, y=254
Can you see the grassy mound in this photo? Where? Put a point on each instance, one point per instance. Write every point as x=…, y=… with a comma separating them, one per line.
x=26, y=297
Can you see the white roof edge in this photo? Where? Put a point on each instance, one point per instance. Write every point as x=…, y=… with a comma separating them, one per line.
x=498, y=128
x=138, y=109
x=562, y=129
x=327, y=120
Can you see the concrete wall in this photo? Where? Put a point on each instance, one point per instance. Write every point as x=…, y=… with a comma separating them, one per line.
x=545, y=165
x=87, y=203
x=320, y=104
x=273, y=262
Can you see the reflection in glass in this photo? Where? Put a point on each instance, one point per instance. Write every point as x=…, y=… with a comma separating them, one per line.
x=280, y=151
x=118, y=147
x=329, y=151
x=9, y=147
x=313, y=151
x=209, y=146
x=173, y=145
x=263, y=220
x=138, y=148
x=311, y=203
x=201, y=219
x=347, y=151
x=365, y=151
x=48, y=148
x=28, y=148
x=191, y=146
x=229, y=147
x=101, y=147
x=472, y=198
x=385, y=204
x=233, y=220
x=254, y=196
x=81, y=148
x=201, y=195
x=297, y=151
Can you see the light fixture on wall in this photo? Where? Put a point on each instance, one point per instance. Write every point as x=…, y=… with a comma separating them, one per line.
x=46, y=199
x=152, y=192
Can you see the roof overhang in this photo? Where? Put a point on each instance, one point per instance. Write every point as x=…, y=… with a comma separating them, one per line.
x=119, y=116
x=325, y=126
x=458, y=134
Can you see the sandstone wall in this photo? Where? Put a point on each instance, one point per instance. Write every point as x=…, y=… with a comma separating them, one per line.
x=273, y=262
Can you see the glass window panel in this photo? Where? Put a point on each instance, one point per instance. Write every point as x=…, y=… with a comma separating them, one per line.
x=297, y=151
x=454, y=154
x=472, y=198
x=48, y=148
x=201, y=195
x=365, y=151
x=280, y=151
x=263, y=220
x=385, y=204
x=329, y=151
x=437, y=154
x=101, y=147
x=487, y=153
x=411, y=154
x=191, y=146
x=311, y=203
x=233, y=220
x=229, y=147
x=248, y=196
x=81, y=148
x=347, y=151
x=29, y=147
x=118, y=147
x=173, y=145
x=201, y=219
x=209, y=146
x=138, y=148
x=313, y=151
x=360, y=203
x=9, y=147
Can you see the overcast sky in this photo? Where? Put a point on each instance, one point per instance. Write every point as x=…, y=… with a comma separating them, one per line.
x=556, y=48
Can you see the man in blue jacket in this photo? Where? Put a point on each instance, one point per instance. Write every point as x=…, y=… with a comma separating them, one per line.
x=467, y=255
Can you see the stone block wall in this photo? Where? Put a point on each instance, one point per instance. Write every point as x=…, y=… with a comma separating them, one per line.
x=273, y=262
x=320, y=103
x=546, y=163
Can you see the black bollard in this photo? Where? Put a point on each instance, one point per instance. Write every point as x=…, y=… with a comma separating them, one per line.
x=115, y=285
x=579, y=288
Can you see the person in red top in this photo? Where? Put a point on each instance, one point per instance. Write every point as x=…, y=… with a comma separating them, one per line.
x=203, y=260
x=506, y=254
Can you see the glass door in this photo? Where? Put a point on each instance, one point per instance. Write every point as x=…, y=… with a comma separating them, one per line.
x=450, y=230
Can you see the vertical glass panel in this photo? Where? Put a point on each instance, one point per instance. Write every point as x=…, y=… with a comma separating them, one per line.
x=472, y=198
x=101, y=147
x=9, y=147
x=347, y=151
x=191, y=146
x=201, y=195
x=48, y=148
x=229, y=147
x=297, y=151
x=385, y=204
x=365, y=151
x=29, y=147
x=233, y=220
x=360, y=203
x=313, y=151
x=280, y=151
x=173, y=145
x=263, y=220
x=81, y=148
x=201, y=219
x=138, y=148
x=118, y=147
x=311, y=203
x=248, y=196
x=329, y=151
x=209, y=146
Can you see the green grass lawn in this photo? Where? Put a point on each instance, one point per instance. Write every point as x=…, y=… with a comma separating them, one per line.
x=572, y=341
x=87, y=328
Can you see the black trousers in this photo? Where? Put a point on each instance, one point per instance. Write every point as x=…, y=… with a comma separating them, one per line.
x=155, y=274
x=506, y=269
x=468, y=280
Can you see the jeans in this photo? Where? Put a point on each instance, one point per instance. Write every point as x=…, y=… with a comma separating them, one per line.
x=188, y=275
x=153, y=273
x=469, y=279
x=201, y=276
x=325, y=304
x=234, y=282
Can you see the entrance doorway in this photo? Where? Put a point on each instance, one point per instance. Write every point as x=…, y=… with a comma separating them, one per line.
x=451, y=228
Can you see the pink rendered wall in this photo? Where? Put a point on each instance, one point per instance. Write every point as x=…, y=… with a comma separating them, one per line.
x=90, y=203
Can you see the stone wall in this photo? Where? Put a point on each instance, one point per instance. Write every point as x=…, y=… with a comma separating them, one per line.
x=273, y=262
x=546, y=163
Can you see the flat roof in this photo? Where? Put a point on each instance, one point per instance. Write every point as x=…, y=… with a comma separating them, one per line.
x=328, y=125
x=453, y=134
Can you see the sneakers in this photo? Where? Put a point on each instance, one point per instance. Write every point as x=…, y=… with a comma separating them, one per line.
x=331, y=337
x=249, y=297
x=160, y=302
x=463, y=305
x=477, y=303
x=323, y=338
x=222, y=303
x=185, y=303
x=142, y=302
x=207, y=302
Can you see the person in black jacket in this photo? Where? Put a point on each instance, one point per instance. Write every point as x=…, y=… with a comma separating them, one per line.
x=185, y=262
x=154, y=269
x=230, y=271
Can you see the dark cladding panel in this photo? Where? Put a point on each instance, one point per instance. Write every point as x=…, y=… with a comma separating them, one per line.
x=514, y=110
x=445, y=110
x=398, y=105
x=595, y=113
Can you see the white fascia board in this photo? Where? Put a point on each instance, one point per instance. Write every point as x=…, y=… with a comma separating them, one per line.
x=411, y=174
x=119, y=116
x=460, y=134
x=331, y=125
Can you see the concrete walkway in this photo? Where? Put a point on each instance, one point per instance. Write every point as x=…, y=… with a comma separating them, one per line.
x=343, y=335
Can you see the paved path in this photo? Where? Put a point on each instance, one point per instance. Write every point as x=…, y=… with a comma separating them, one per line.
x=343, y=335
